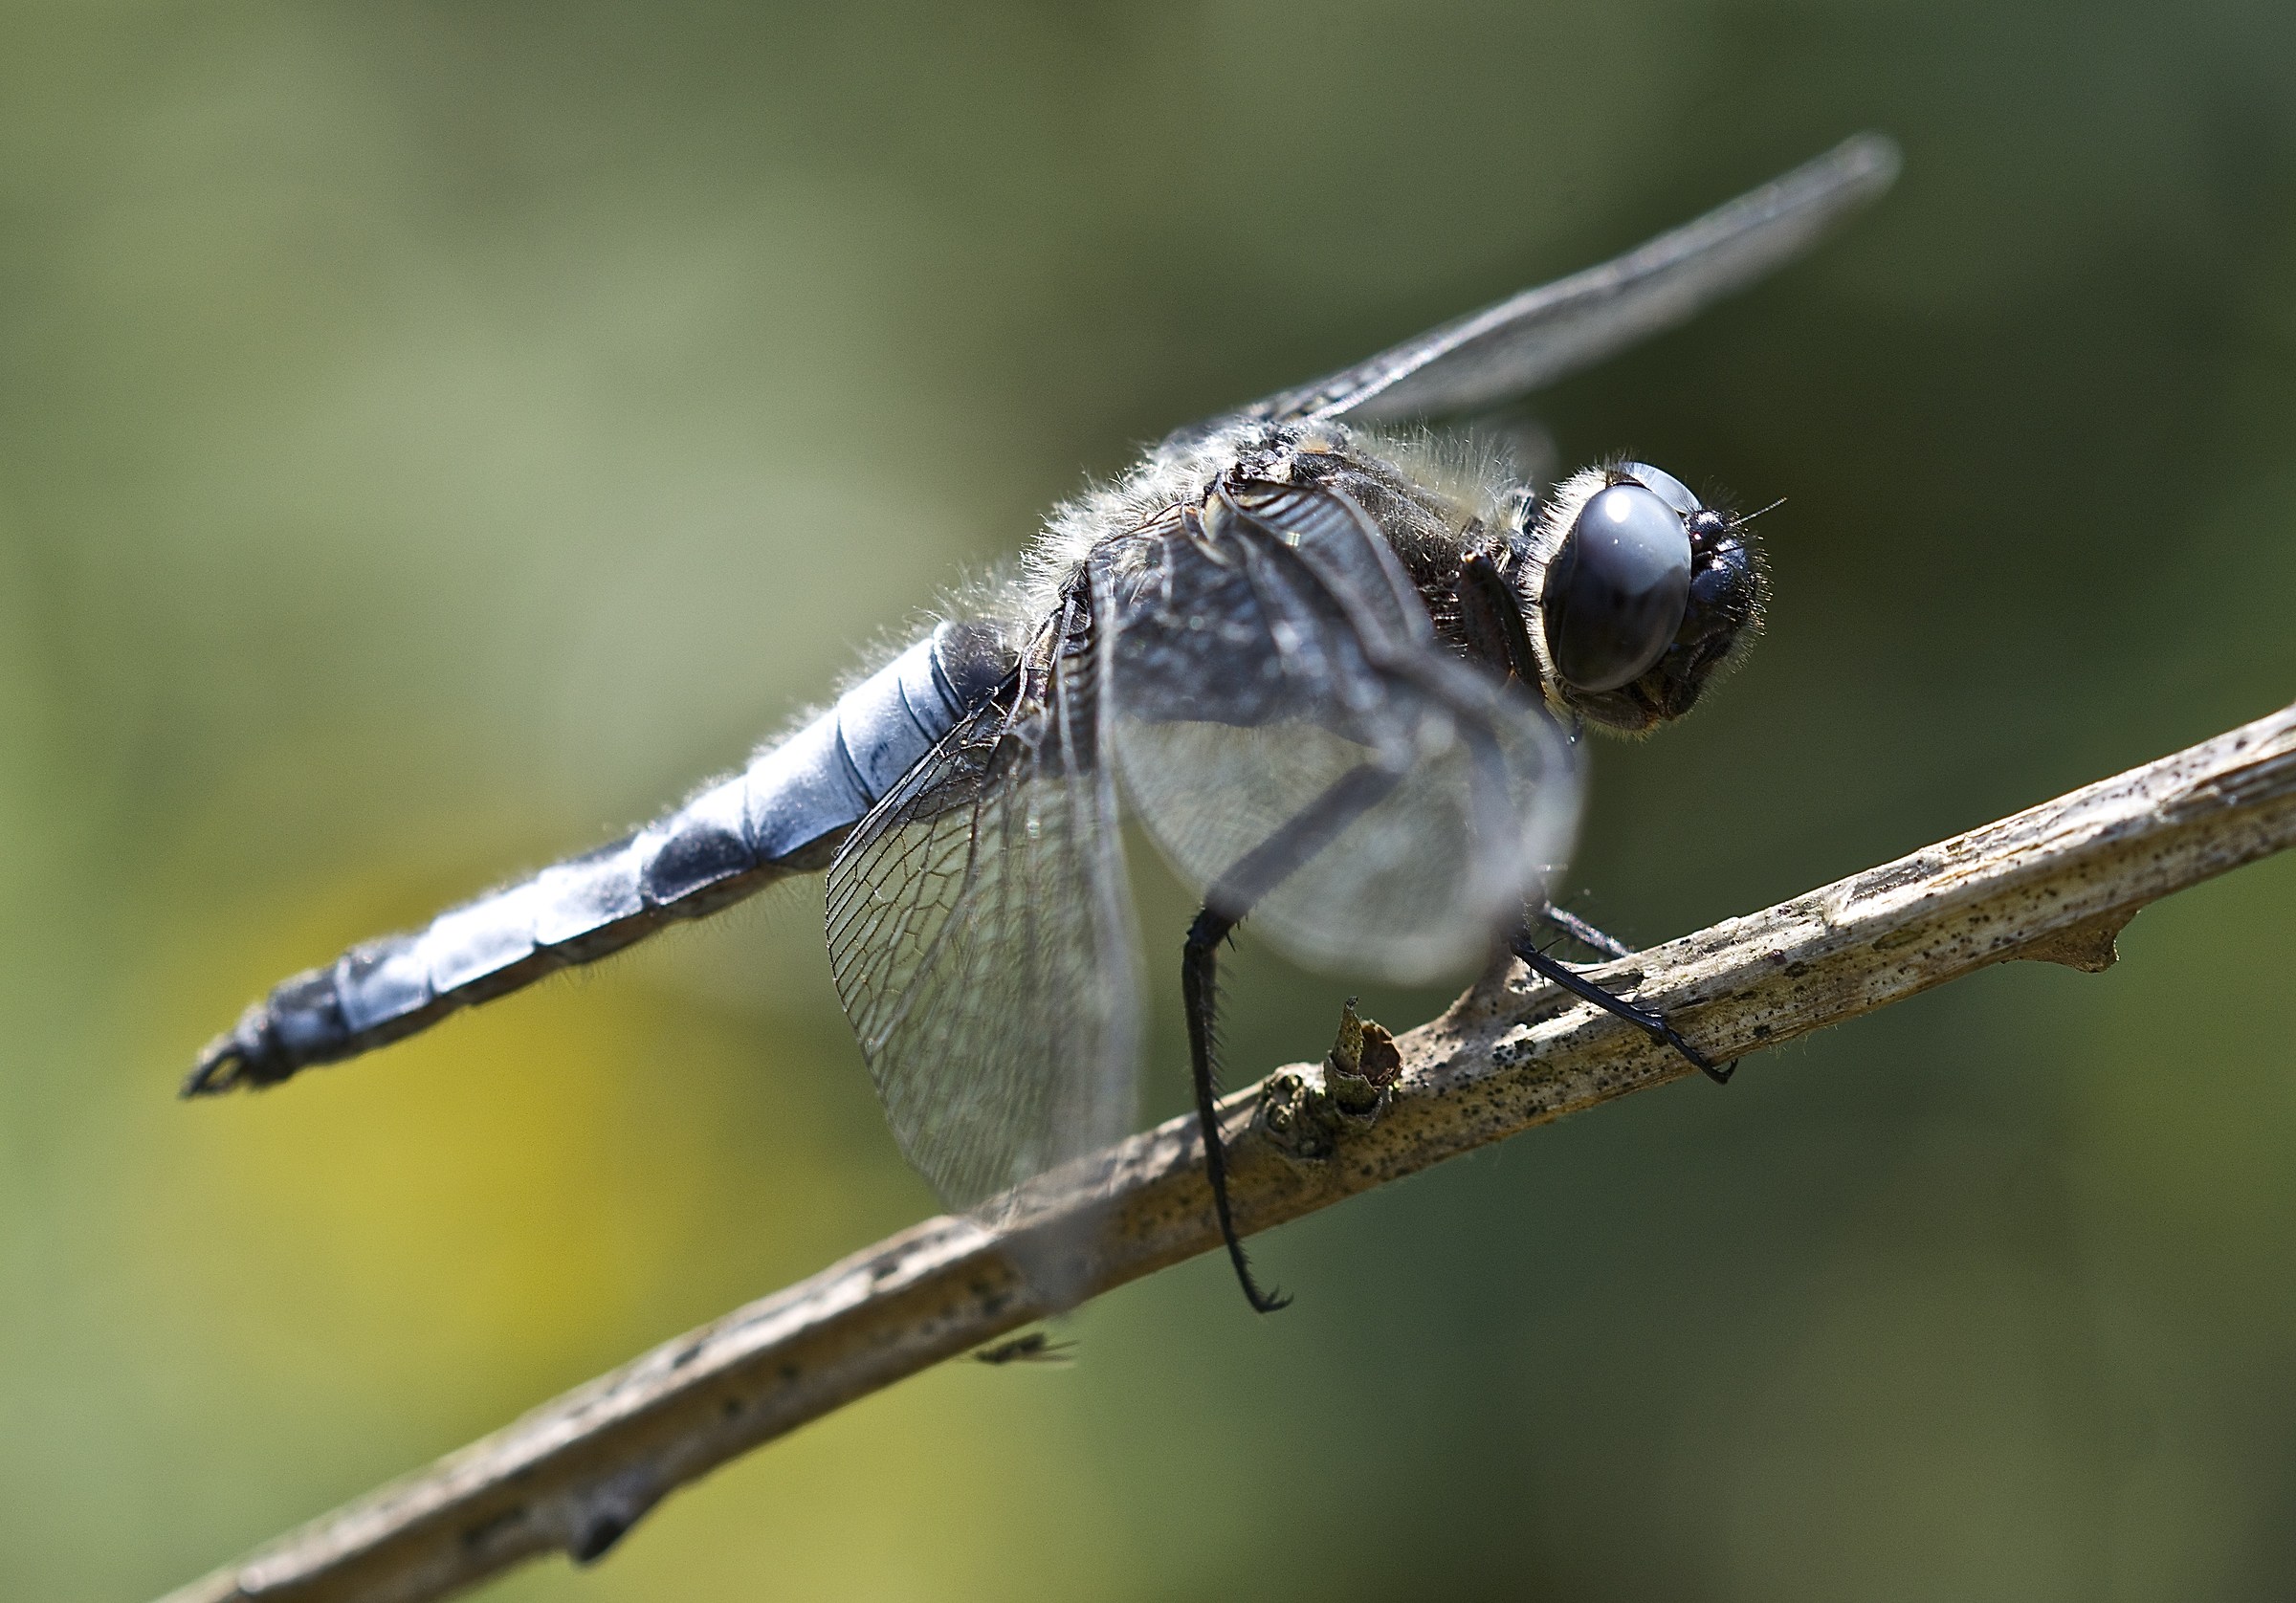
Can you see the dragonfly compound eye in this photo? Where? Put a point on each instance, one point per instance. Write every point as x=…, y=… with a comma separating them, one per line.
x=1662, y=484
x=1615, y=591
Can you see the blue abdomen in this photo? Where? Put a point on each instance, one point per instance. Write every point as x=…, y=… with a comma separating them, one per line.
x=786, y=814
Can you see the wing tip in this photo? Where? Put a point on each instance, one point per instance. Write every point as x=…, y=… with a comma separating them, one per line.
x=1861, y=167
x=1751, y=235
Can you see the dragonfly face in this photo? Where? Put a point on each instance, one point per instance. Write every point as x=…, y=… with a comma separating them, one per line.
x=1645, y=594
x=1326, y=665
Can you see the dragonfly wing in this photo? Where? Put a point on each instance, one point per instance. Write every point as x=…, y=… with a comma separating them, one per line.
x=981, y=935
x=1275, y=657
x=1541, y=334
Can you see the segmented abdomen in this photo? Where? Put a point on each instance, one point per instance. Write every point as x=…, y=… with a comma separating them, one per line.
x=786, y=814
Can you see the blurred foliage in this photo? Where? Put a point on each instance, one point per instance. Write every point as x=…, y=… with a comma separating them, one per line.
x=430, y=435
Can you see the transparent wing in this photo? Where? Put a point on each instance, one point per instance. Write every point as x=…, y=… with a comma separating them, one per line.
x=1541, y=334
x=980, y=932
x=1291, y=738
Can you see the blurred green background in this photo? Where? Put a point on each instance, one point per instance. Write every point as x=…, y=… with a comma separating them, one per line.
x=431, y=436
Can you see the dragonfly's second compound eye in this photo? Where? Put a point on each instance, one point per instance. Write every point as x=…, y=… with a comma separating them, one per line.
x=1615, y=591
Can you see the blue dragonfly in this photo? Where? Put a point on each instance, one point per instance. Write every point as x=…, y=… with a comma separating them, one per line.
x=1335, y=666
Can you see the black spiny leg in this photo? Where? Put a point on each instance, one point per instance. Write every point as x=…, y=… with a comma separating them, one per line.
x=1652, y=1024
x=1198, y=987
x=1255, y=873
x=1584, y=933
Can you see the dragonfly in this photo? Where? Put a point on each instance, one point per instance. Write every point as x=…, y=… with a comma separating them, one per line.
x=1334, y=663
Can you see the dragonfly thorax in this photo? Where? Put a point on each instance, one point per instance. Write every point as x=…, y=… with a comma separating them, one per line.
x=1631, y=592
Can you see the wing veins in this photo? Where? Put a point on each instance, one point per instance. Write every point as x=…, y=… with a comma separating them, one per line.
x=1540, y=335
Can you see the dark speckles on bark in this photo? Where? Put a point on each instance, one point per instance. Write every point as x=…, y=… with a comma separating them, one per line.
x=1892, y=876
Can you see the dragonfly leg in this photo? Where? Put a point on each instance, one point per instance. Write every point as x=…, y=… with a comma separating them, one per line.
x=1253, y=875
x=1198, y=987
x=1652, y=1024
x=1584, y=933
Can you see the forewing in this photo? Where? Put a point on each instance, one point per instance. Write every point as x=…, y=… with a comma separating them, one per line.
x=1259, y=673
x=1541, y=334
x=980, y=938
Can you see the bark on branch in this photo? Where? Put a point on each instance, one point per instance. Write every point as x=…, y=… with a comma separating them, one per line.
x=2054, y=882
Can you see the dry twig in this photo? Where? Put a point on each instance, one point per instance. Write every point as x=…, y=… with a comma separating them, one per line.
x=2054, y=882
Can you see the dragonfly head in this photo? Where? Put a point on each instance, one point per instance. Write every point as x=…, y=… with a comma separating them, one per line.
x=1644, y=593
